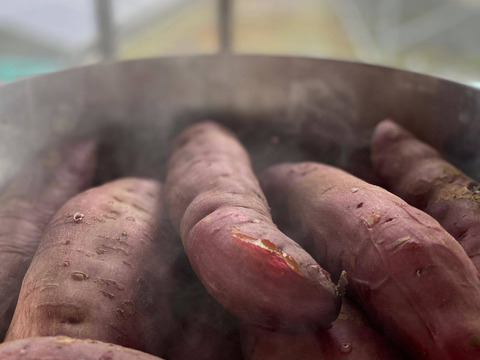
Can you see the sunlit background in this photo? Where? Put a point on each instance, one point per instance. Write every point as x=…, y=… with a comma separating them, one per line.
x=438, y=37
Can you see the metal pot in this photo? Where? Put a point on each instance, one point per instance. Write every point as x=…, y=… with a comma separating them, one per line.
x=283, y=108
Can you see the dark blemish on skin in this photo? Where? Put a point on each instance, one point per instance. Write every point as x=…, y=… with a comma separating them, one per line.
x=475, y=341
x=419, y=272
x=107, y=294
x=127, y=264
x=73, y=320
x=462, y=234
x=138, y=207
x=474, y=187
x=109, y=282
x=122, y=238
x=120, y=286
x=127, y=310
x=107, y=356
x=388, y=220
x=129, y=307
x=67, y=242
x=359, y=205
x=306, y=172
x=101, y=250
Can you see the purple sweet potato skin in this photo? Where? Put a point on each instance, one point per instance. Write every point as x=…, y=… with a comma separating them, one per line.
x=409, y=275
x=418, y=174
x=66, y=348
x=27, y=204
x=104, y=277
x=204, y=330
x=251, y=268
x=350, y=337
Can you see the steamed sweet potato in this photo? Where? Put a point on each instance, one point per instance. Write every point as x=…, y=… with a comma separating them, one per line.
x=409, y=275
x=204, y=330
x=101, y=270
x=27, y=204
x=418, y=174
x=350, y=337
x=251, y=268
x=66, y=348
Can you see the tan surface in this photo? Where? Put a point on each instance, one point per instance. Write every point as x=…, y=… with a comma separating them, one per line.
x=304, y=27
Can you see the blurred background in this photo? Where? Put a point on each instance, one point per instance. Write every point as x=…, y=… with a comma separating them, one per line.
x=437, y=37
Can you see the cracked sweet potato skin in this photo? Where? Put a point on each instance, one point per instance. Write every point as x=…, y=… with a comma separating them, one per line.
x=66, y=348
x=350, y=337
x=418, y=174
x=104, y=275
x=408, y=274
x=252, y=269
x=27, y=203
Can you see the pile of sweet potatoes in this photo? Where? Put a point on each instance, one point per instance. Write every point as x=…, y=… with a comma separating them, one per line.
x=197, y=268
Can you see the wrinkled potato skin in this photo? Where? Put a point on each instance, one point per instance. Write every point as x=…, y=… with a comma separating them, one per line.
x=252, y=269
x=418, y=174
x=408, y=274
x=350, y=337
x=104, y=276
x=66, y=348
x=27, y=204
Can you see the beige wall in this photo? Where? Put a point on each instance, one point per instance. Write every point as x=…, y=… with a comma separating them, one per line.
x=300, y=27
x=303, y=27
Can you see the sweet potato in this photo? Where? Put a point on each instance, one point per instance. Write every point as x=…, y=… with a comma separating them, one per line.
x=101, y=270
x=66, y=348
x=27, y=204
x=418, y=174
x=204, y=330
x=350, y=337
x=409, y=275
x=251, y=268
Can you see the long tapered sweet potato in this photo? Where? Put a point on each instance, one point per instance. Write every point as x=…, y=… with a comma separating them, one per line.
x=350, y=337
x=101, y=270
x=66, y=348
x=418, y=174
x=409, y=275
x=251, y=268
x=27, y=204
